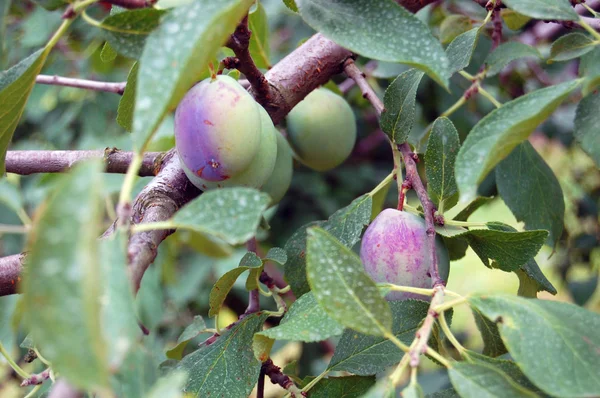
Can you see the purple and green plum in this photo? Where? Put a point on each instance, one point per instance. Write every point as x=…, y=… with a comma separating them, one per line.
x=322, y=130
x=394, y=250
x=281, y=178
x=217, y=130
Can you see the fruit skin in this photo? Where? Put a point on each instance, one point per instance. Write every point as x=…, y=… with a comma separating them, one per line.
x=322, y=130
x=217, y=130
x=281, y=178
x=394, y=250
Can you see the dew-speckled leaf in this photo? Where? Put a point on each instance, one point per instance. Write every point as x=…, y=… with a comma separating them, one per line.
x=130, y=29
x=442, y=149
x=346, y=224
x=497, y=134
x=510, y=368
x=460, y=51
x=277, y=255
x=261, y=346
x=259, y=40
x=493, y=345
x=587, y=126
x=589, y=68
x=305, y=321
x=485, y=381
x=572, y=45
x=398, y=117
x=368, y=355
x=230, y=214
x=362, y=25
x=454, y=25
x=506, y=53
x=64, y=252
x=255, y=265
x=169, y=386
x=227, y=367
x=342, y=387
x=530, y=189
x=221, y=288
x=413, y=391
x=543, y=9
x=514, y=20
x=119, y=319
x=191, y=331
x=555, y=343
x=15, y=86
x=175, y=55
x=127, y=101
x=341, y=286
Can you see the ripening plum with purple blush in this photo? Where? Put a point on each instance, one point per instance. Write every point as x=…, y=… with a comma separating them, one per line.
x=394, y=250
x=217, y=129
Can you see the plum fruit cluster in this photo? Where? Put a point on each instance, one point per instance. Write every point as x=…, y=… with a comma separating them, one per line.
x=224, y=138
x=394, y=250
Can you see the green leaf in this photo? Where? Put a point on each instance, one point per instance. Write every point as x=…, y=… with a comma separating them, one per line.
x=493, y=345
x=305, y=321
x=108, y=54
x=514, y=20
x=226, y=367
x=368, y=355
x=510, y=368
x=15, y=86
x=554, y=343
x=341, y=286
x=127, y=101
x=413, y=391
x=127, y=31
x=447, y=393
x=231, y=214
x=10, y=196
x=384, y=388
x=357, y=25
x=506, y=53
x=65, y=253
x=544, y=9
x=346, y=224
x=587, y=120
x=291, y=4
x=4, y=9
x=119, y=319
x=342, y=387
x=398, y=117
x=51, y=5
x=472, y=208
x=261, y=346
x=497, y=134
x=255, y=265
x=572, y=45
x=454, y=25
x=259, y=40
x=277, y=255
x=589, y=67
x=460, y=51
x=169, y=386
x=224, y=284
x=175, y=55
x=440, y=156
x=481, y=381
x=531, y=191
x=193, y=330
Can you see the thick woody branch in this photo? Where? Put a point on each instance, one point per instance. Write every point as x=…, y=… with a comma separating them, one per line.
x=274, y=373
x=117, y=88
x=10, y=273
x=116, y=161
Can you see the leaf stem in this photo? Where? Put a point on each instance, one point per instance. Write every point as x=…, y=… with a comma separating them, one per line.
x=13, y=229
x=33, y=391
x=432, y=353
x=395, y=377
x=590, y=9
x=13, y=364
x=407, y=289
x=151, y=226
x=454, y=107
x=390, y=336
x=62, y=29
x=124, y=206
x=24, y=217
x=386, y=181
x=446, y=329
x=464, y=223
x=489, y=96
x=315, y=381
x=450, y=304
x=587, y=27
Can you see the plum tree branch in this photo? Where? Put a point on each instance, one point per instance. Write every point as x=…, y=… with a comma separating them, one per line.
x=117, y=88
x=11, y=268
x=116, y=161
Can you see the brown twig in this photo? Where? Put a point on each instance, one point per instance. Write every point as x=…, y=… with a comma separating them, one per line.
x=116, y=161
x=117, y=88
x=11, y=268
x=36, y=378
x=277, y=377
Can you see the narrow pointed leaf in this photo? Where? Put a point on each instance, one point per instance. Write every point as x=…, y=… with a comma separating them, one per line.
x=572, y=45
x=191, y=331
x=358, y=26
x=259, y=40
x=460, y=51
x=127, y=101
x=544, y=9
x=497, y=134
x=223, y=286
x=454, y=25
x=341, y=286
x=506, y=53
x=493, y=345
x=398, y=116
x=587, y=120
x=589, y=68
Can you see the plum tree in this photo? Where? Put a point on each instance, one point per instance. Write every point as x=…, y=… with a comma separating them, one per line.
x=217, y=130
x=281, y=178
x=393, y=250
x=322, y=130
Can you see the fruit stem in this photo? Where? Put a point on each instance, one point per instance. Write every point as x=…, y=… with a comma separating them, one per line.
x=386, y=181
x=446, y=329
x=450, y=304
x=315, y=381
x=13, y=364
x=408, y=289
x=464, y=223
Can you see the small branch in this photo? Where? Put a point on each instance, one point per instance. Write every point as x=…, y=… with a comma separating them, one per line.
x=497, y=32
x=10, y=273
x=277, y=377
x=239, y=43
x=116, y=161
x=355, y=74
x=63, y=389
x=422, y=335
x=117, y=88
x=36, y=378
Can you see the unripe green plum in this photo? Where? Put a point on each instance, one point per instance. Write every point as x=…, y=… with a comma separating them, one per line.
x=217, y=130
x=394, y=250
x=281, y=178
x=322, y=130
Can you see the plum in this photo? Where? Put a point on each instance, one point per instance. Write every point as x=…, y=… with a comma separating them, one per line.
x=217, y=130
x=393, y=250
x=281, y=178
x=322, y=130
